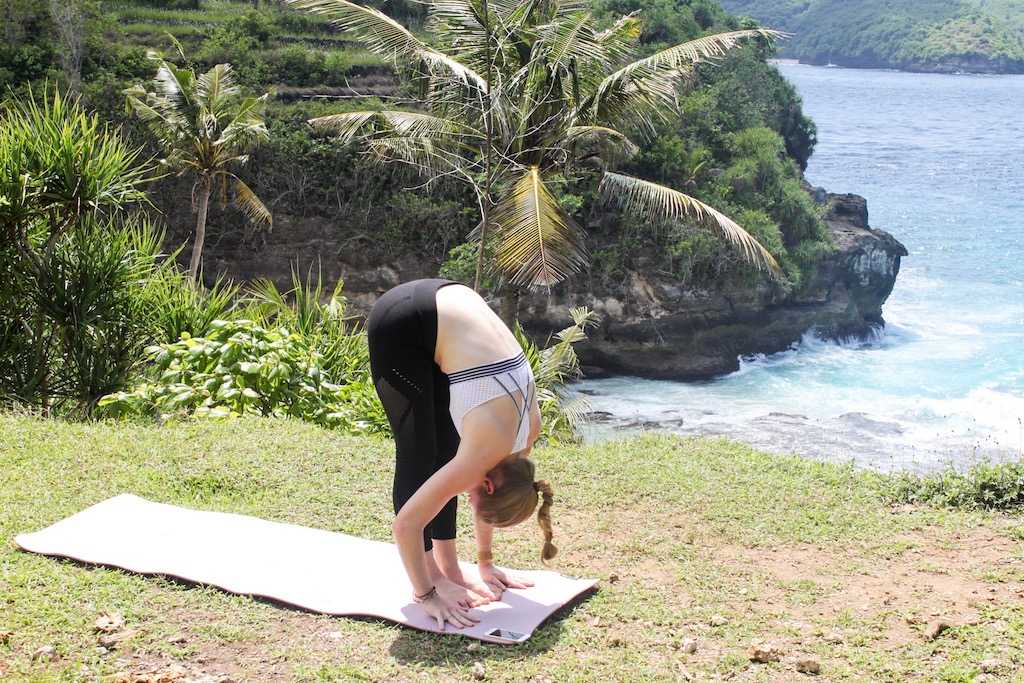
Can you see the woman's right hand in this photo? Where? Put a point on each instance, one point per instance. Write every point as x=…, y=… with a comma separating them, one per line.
x=450, y=611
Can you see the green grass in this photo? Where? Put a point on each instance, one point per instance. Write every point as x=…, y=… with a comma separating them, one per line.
x=678, y=531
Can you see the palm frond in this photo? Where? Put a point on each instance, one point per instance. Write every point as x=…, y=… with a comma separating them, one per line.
x=216, y=87
x=644, y=91
x=572, y=37
x=250, y=205
x=385, y=36
x=429, y=158
x=538, y=243
x=692, y=51
x=621, y=38
x=607, y=139
x=345, y=126
x=651, y=201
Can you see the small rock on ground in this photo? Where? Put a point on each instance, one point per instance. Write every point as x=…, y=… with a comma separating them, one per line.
x=763, y=653
x=719, y=620
x=108, y=622
x=808, y=666
x=689, y=645
x=479, y=673
x=111, y=640
x=47, y=653
x=991, y=666
x=935, y=628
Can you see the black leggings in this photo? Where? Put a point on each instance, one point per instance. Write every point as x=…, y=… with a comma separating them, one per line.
x=402, y=332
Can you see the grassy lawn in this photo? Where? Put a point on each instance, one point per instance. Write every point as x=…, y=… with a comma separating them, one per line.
x=690, y=538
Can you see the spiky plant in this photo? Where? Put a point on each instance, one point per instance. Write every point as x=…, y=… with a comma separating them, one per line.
x=205, y=127
x=554, y=365
x=518, y=93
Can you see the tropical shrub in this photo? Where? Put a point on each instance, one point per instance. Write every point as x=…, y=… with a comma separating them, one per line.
x=554, y=365
x=336, y=338
x=177, y=305
x=72, y=323
x=241, y=368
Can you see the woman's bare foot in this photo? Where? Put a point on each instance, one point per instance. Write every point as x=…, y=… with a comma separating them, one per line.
x=461, y=594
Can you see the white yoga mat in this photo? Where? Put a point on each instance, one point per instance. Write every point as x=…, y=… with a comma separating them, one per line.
x=314, y=569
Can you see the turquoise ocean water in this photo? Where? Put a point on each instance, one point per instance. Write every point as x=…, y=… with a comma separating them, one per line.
x=941, y=162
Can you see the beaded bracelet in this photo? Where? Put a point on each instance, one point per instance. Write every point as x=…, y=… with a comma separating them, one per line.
x=426, y=596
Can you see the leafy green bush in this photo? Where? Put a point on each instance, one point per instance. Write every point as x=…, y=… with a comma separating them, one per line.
x=241, y=368
x=340, y=344
x=72, y=323
x=553, y=366
x=988, y=486
x=177, y=305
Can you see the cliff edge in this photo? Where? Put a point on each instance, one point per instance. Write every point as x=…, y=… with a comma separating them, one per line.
x=652, y=327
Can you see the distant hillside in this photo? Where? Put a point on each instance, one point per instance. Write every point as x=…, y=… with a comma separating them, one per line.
x=915, y=35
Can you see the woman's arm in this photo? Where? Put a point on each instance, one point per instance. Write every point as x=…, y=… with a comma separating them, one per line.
x=488, y=431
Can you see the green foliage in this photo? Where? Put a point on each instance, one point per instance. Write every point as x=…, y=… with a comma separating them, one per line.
x=917, y=34
x=72, y=320
x=986, y=486
x=554, y=365
x=336, y=338
x=241, y=368
x=177, y=305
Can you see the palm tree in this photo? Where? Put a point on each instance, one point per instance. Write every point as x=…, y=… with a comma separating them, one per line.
x=205, y=126
x=518, y=93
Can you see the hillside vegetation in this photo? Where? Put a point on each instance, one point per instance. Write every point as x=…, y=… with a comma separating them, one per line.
x=740, y=145
x=916, y=35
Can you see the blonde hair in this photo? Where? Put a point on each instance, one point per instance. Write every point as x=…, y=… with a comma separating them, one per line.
x=514, y=499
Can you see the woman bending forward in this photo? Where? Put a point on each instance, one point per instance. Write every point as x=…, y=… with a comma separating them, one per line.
x=462, y=403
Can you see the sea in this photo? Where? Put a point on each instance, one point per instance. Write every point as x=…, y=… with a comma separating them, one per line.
x=940, y=159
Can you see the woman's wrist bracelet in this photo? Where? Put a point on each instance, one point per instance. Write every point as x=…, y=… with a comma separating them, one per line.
x=484, y=557
x=426, y=596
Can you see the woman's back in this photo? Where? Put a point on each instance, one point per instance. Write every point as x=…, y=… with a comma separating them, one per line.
x=469, y=333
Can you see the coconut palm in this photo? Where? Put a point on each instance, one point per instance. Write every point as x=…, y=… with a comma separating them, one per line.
x=520, y=93
x=206, y=127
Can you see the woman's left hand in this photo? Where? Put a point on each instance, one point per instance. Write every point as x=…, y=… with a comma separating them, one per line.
x=499, y=581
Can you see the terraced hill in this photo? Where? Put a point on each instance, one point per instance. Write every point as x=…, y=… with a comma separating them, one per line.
x=915, y=35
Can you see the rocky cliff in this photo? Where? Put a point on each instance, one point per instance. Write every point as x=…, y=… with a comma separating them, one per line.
x=652, y=327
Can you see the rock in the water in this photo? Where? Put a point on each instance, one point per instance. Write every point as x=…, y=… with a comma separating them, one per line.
x=689, y=645
x=935, y=628
x=653, y=325
x=763, y=653
x=479, y=673
x=808, y=666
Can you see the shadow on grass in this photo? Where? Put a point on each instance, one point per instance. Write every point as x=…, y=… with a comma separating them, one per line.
x=421, y=647
x=411, y=645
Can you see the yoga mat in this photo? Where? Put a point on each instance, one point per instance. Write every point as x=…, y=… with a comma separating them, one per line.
x=318, y=570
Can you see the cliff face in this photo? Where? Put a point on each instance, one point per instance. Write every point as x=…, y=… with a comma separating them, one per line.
x=652, y=327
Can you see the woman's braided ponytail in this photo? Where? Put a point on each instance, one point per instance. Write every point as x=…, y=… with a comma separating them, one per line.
x=544, y=519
